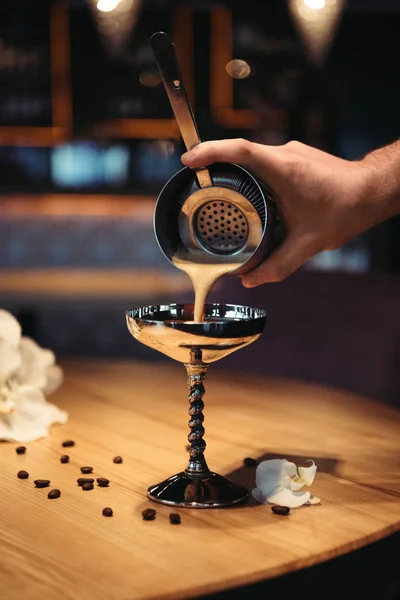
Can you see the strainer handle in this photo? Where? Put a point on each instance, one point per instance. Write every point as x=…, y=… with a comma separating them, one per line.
x=168, y=66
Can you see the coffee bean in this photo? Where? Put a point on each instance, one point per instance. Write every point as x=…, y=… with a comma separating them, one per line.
x=187, y=447
x=64, y=459
x=149, y=514
x=41, y=483
x=86, y=470
x=87, y=486
x=175, y=519
x=107, y=512
x=54, y=494
x=68, y=444
x=20, y=450
x=280, y=510
x=117, y=460
x=102, y=481
x=82, y=480
x=22, y=474
x=250, y=462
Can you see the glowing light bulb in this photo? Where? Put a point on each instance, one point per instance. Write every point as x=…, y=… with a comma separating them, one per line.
x=107, y=5
x=317, y=21
x=115, y=21
x=315, y=4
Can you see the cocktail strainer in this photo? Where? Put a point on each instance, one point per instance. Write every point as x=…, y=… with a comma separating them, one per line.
x=218, y=214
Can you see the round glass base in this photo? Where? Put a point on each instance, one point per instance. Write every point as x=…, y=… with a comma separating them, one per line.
x=198, y=491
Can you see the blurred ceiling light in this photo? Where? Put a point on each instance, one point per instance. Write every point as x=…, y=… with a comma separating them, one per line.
x=316, y=21
x=313, y=4
x=150, y=78
x=107, y=5
x=238, y=69
x=115, y=21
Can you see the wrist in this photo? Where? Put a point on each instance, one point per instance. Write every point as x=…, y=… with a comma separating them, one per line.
x=380, y=181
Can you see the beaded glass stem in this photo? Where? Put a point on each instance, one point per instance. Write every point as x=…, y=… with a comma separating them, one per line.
x=197, y=462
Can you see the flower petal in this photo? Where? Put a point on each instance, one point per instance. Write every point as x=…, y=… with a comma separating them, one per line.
x=31, y=418
x=296, y=485
x=32, y=401
x=10, y=359
x=6, y=402
x=285, y=497
x=267, y=479
x=55, y=377
x=292, y=480
x=275, y=464
x=259, y=496
x=307, y=474
x=314, y=500
x=36, y=362
x=289, y=468
x=10, y=329
x=27, y=395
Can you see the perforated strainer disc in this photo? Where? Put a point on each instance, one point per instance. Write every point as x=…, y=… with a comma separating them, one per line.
x=221, y=226
x=221, y=222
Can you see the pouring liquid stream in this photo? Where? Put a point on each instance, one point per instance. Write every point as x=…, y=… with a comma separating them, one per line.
x=203, y=277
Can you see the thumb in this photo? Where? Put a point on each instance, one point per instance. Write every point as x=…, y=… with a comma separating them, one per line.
x=284, y=261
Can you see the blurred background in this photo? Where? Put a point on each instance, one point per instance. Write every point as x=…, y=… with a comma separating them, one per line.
x=87, y=141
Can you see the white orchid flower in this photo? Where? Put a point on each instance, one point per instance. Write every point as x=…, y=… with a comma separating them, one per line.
x=27, y=373
x=279, y=482
x=38, y=367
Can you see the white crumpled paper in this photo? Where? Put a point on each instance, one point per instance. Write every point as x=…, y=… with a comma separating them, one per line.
x=27, y=374
x=279, y=482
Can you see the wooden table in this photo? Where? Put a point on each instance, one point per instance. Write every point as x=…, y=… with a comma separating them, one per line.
x=66, y=549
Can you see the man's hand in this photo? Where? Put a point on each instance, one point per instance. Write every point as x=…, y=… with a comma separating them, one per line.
x=324, y=201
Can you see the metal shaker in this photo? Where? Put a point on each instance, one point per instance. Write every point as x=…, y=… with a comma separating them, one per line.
x=218, y=213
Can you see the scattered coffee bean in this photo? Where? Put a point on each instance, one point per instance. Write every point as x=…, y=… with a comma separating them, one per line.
x=54, y=494
x=187, y=447
x=86, y=470
x=41, y=483
x=68, y=444
x=175, y=519
x=149, y=514
x=117, y=460
x=87, y=486
x=250, y=462
x=102, y=481
x=82, y=480
x=20, y=450
x=22, y=474
x=64, y=459
x=280, y=510
x=107, y=512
